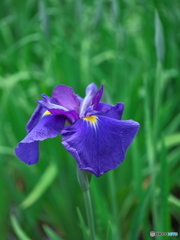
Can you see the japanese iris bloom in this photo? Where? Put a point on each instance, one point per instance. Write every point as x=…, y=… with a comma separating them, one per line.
x=96, y=137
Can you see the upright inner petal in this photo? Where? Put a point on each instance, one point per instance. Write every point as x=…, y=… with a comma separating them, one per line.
x=92, y=97
x=66, y=97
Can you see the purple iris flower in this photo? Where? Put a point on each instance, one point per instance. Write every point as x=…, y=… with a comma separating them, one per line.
x=96, y=137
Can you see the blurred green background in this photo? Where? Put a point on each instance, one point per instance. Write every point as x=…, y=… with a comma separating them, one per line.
x=133, y=48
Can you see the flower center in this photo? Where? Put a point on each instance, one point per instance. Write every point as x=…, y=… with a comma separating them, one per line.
x=92, y=120
x=46, y=113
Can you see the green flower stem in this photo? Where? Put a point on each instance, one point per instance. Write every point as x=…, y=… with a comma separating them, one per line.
x=112, y=189
x=89, y=212
x=83, y=178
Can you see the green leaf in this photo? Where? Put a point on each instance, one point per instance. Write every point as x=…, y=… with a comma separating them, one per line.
x=6, y=151
x=159, y=38
x=174, y=201
x=12, y=80
x=51, y=234
x=164, y=191
x=83, y=225
x=140, y=213
x=172, y=140
x=17, y=229
x=44, y=183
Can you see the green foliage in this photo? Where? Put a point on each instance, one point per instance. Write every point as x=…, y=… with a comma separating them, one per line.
x=17, y=229
x=51, y=234
x=132, y=47
x=46, y=180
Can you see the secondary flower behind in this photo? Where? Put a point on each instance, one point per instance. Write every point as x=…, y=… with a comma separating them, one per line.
x=97, y=137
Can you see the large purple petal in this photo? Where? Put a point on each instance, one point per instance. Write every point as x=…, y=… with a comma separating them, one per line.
x=66, y=97
x=36, y=116
x=28, y=152
x=111, y=111
x=99, y=144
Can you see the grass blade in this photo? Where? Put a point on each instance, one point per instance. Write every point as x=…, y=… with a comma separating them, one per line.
x=17, y=229
x=164, y=186
x=83, y=225
x=159, y=38
x=51, y=234
x=140, y=214
x=45, y=181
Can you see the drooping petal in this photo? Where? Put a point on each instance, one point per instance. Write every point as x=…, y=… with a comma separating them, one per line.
x=99, y=143
x=36, y=116
x=48, y=127
x=28, y=152
x=66, y=97
x=53, y=107
x=50, y=103
x=111, y=111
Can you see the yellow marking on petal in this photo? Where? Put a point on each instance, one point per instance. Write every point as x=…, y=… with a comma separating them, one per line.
x=92, y=120
x=46, y=113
